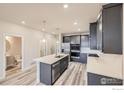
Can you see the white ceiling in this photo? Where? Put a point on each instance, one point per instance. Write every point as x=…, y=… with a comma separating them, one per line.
x=55, y=15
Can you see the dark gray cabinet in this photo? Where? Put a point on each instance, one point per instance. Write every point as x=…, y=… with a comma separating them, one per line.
x=49, y=73
x=63, y=65
x=112, y=28
x=96, y=79
x=83, y=58
x=75, y=39
x=55, y=71
x=93, y=35
x=45, y=73
x=85, y=41
x=66, y=39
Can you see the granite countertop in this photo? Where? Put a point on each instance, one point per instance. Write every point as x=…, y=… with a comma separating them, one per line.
x=107, y=65
x=50, y=59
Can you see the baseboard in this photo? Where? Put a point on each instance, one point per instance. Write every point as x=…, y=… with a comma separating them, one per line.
x=27, y=68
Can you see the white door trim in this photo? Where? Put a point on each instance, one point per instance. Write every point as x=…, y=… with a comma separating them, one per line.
x=4, y=50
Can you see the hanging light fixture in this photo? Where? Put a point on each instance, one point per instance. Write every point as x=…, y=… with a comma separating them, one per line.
x=44, y=29
x=57, y=30
x=44, y=38
x=57, y=42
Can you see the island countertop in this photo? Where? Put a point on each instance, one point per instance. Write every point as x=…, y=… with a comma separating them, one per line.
x=107, y=65
x=50, y=59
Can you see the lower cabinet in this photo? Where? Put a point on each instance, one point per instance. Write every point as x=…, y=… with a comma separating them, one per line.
x=45, y=73
x=63, y=64
x=83, y=58
x=49, y=73
x=55, y=71
x=95, y=79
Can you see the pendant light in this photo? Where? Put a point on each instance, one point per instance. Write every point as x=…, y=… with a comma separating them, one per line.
x=44, y=37
x=57, y=30
x=44, y=29
x=57, y=42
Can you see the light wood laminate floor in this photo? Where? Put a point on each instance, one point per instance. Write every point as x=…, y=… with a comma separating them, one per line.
x=13, y=70
x=74, y=75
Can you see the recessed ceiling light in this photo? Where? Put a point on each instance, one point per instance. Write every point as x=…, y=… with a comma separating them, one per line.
x=23, y=22
x=65, y=5
x=75, y=23
x=43, y=29
x=79, y=29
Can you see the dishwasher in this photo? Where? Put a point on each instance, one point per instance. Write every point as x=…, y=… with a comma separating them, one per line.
x=55, y=71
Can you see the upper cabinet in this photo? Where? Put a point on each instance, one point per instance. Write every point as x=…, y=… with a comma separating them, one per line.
x=93, y=35
x=85, y=41
x=66, y=39
x=112, y=28
x=75, y=39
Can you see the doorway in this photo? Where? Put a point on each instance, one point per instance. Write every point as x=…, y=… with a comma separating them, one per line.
x=13, y=55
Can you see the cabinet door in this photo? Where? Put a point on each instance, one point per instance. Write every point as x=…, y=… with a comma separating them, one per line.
x=75, y=39
x=63, y=64
x=83, y=58
x=85, y=41
x=55, y=71
x=112, y=30
x=93, y=35
x=66, y=39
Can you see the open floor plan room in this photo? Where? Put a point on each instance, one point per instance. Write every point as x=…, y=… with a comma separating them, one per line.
x=61, y=44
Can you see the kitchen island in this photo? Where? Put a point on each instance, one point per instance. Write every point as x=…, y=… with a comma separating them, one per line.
x=51, y=67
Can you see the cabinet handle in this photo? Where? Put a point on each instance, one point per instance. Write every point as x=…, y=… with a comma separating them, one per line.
x=55, y=64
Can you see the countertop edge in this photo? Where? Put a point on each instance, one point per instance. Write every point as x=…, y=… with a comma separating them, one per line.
x=56, y=59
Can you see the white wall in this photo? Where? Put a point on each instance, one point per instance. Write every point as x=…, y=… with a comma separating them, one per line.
x=13, y=46
x=31, y=38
